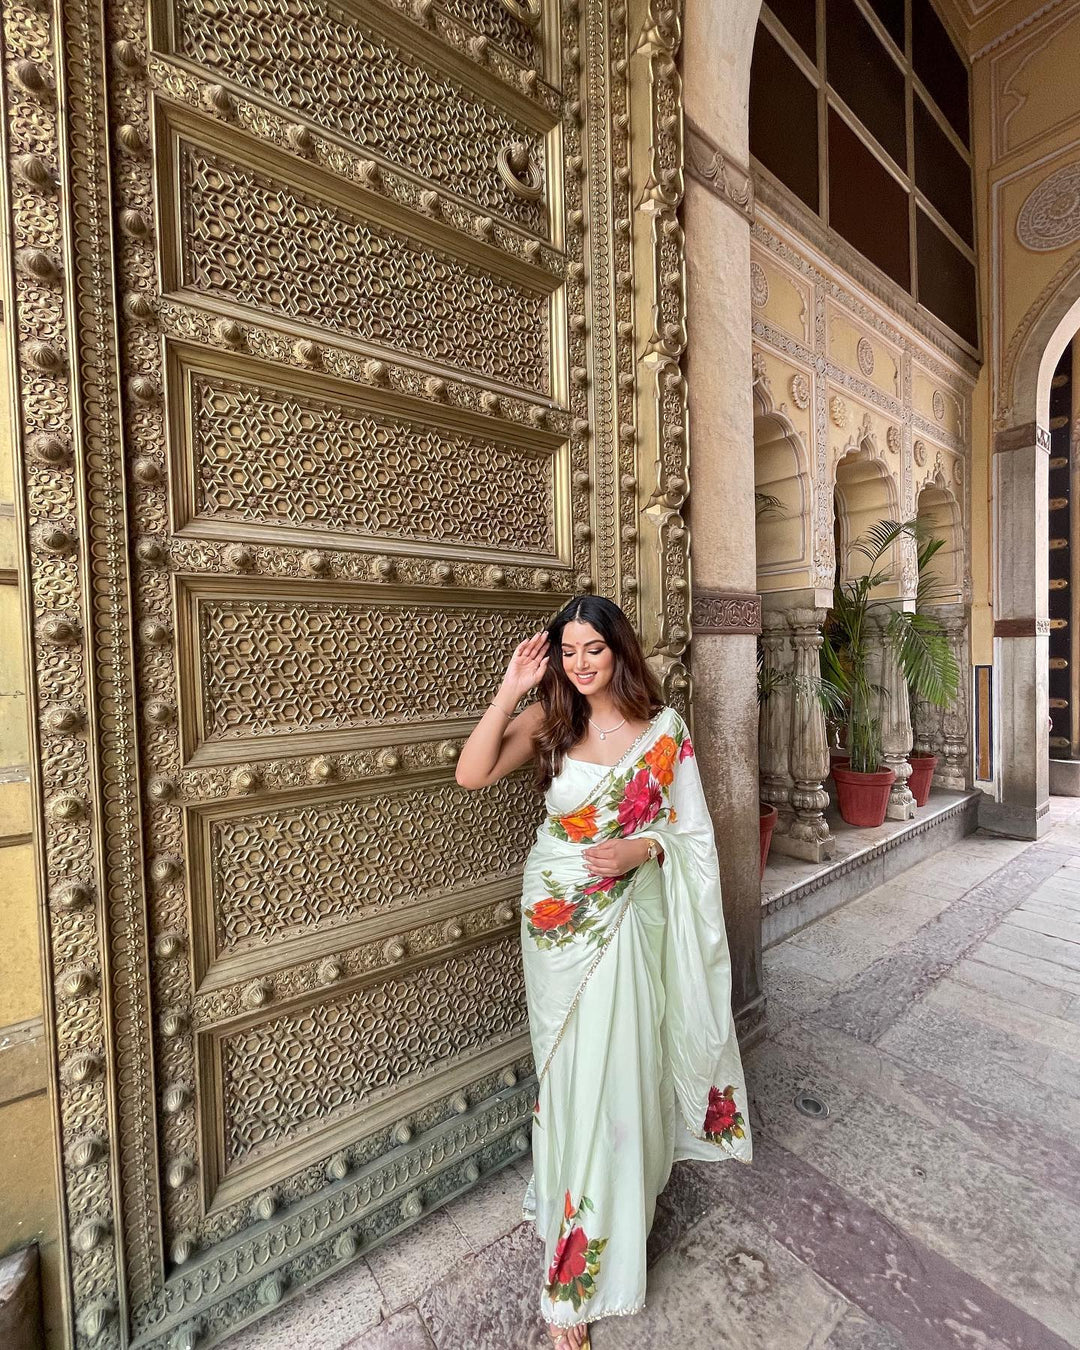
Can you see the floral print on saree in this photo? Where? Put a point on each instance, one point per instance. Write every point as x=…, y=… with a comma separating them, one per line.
x=576, y=1264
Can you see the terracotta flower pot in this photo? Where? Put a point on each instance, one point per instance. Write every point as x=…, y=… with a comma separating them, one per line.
x=863, y=798
x=922, y=772
x=767, y=824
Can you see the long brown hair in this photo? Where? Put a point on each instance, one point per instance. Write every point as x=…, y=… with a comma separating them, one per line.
x=634, y=688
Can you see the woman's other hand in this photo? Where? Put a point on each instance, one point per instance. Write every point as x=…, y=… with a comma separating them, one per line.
x=614, y=857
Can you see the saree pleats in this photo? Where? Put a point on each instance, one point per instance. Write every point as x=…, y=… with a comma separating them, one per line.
x=628, y=986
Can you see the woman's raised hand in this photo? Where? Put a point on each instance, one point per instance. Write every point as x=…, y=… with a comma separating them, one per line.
x=527, y=666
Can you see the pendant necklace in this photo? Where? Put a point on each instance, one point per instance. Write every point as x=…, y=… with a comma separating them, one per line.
x=610, y=731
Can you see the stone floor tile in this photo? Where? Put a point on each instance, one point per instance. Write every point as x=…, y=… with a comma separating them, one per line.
x=1068, y=930
x=792, y=990
x=1034, y=969
x=491, y=1208
x=857, y=1332
x=1014, y=987
x=727, y=1283
x=985, y=1062
x=777, y=1071
x=986, y=1125
x=880, y=1266
x=423, y=1254
x=1023, y=940
x=1061, y=1072
x=1014, y=1017
x=491, y=1299
x=327, y=1317
x=401, y=1331
x=895, y=909
x=950, y=1200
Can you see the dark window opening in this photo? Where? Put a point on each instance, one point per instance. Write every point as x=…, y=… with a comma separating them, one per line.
x=783, y=118
x=866, y=203
x=947, y=284
x=865, y=76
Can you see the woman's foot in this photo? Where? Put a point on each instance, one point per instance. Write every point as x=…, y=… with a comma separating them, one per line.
x=568, y=1338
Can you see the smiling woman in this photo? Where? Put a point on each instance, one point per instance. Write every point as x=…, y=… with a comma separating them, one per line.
x=627, y=971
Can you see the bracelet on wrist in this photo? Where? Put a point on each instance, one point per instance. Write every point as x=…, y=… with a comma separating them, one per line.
x=509, y=716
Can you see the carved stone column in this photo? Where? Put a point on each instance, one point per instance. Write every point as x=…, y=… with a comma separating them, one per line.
x=808, y=835
x=774, y=722
x=926, y=721
x=953, y=769
x=895, y=714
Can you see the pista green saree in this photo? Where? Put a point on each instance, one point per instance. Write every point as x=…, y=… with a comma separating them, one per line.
x=628, y=982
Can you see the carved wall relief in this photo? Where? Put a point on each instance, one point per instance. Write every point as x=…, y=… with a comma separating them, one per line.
x=350, y=350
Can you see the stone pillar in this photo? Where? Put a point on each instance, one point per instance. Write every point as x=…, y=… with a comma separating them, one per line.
x=808, y=835
x=926, y=728
x=793, y=743
x=895, y=714
x=774, y=721
x=954, y=765
x=1020, y=469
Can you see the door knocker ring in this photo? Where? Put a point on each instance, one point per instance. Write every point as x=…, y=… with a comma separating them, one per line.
x=520, y=172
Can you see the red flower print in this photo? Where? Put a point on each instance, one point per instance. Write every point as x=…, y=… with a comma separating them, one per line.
x=546, y=914
x=721, y=1112
x=581, y=825
x=574, y=1267
x=569, y=1260
x=686, y=750
x=661, y=759
x=641, y=802
x=600, y=884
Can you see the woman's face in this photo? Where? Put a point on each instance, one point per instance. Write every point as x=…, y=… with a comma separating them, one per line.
x=587, y=659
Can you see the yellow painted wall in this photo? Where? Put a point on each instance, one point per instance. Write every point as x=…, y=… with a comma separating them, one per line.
x=1026, y=124
x=29, y=1203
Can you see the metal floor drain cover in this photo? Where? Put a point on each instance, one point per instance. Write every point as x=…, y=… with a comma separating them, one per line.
x=810, y=1105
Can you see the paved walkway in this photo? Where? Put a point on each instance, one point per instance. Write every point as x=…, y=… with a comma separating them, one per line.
x=937, y=1205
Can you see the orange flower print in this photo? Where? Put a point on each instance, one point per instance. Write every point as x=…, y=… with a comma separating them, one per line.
x=661, y=759
x=551, y=913
x=568, y=1208
x=581, y=825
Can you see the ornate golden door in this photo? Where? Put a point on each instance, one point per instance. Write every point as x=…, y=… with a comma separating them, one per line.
x=346, y=349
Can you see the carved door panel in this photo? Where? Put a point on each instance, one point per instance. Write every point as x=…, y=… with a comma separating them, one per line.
x=376, y=313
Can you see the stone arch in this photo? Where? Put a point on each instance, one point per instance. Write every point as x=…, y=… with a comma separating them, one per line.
x=937, y=508
x=864, y=492
x=781, y=471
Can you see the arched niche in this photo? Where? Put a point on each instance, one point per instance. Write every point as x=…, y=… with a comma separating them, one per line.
x=782, y=496
x=938, y=510
x=864, y=493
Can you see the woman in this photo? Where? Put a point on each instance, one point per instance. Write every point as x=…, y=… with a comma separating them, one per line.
x=627, y=973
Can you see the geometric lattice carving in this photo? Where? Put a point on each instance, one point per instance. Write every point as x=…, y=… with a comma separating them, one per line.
x=316, y=865
x=277, y=667
x=307, y=1067
x=286, y=459
x=253, y=239
x=307, y=56
x=495, y=20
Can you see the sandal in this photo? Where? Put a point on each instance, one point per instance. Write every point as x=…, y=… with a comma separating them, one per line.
x=560, y=1339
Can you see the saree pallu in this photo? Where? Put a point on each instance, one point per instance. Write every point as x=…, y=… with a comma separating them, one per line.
x=628, y=982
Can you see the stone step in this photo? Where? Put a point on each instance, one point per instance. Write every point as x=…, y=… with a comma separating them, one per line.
x=795, y=893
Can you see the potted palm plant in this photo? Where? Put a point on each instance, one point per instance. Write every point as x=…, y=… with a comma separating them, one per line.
x=916, y=641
